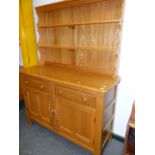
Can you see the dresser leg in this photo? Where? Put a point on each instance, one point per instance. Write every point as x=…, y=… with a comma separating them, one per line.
x=28, y=118
x=97, y=151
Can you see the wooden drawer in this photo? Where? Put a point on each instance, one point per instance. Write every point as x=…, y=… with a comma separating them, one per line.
x=76, y=96
x=36, y=83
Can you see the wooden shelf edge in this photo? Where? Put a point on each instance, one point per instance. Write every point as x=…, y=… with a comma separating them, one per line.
x=85, y=23
x=74, y=48
x=63, y=4
x=57, y=47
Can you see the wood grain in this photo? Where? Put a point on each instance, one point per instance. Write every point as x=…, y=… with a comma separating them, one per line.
x=73, y=90
x=90, y=29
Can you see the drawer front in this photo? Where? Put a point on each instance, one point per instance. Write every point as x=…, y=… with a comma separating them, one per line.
x=36, y=83
x=76, y=96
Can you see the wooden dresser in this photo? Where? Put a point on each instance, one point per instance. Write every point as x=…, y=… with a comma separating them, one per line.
x=73, y=90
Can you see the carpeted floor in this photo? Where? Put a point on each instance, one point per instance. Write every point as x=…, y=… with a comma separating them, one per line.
x=37, y=140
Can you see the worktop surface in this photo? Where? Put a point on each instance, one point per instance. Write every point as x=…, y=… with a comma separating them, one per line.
x=72, y=76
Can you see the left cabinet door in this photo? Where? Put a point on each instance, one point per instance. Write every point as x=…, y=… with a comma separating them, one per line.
x=38, y=104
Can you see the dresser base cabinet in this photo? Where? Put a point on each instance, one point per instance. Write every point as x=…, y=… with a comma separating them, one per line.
x=81, y=113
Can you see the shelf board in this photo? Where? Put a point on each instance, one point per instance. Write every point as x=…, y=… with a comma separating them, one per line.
x=74, y=48
x=57, y=47
x=84, y=23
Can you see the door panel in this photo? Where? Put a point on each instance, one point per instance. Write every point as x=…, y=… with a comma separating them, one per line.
x=85, y=125
x=75, y=120
x=44, y=103
x=65, y=115
x=38, y=104
x=32, y=99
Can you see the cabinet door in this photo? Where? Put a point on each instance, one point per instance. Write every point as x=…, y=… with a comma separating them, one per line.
x=75, y=120
x=44, y=103
x=84, y=127
x=65, y=116
x=38, y=104
x=32, y=99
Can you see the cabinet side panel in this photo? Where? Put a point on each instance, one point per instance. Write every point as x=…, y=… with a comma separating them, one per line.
x=110, y=96
x=108, y=114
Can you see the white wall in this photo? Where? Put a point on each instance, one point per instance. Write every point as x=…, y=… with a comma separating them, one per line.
x=126, y=94
x=125, y=90
x=43, y=2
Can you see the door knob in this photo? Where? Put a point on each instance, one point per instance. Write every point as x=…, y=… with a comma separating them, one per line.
x=84, y=99
x=42, y=86
x=60, y=92
x=26, y=82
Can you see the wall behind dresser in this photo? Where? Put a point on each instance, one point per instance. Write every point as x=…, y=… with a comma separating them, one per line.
x=125, y=91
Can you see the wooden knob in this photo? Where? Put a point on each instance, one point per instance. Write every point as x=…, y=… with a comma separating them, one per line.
x=42, y=86
x=52, y=111
x=60, y=92
x=26, y=82
x=84, y=100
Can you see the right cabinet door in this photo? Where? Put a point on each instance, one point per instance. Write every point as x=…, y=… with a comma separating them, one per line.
x=65, y=117
x=75, y=114
x=84, y=126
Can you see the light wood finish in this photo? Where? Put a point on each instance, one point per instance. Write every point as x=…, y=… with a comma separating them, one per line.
x=81, y=33
x=76, y=96
x=73, y=76
x=37, y=84
x=73, y=90
x=38, y=104
x=84, y=23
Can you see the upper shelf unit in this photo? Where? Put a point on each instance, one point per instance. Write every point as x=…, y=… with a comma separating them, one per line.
x=64, y=4
x=84, y=33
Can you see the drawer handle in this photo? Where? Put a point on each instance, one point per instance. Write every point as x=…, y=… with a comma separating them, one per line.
x=26, y=82
x=42, y=86
x=60, y=92
x=84, y=99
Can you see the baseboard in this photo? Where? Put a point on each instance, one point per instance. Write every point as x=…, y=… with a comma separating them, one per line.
x=118, y=137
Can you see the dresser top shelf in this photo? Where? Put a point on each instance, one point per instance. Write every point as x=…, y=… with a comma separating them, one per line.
x=63, y=4
x=72, y=76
